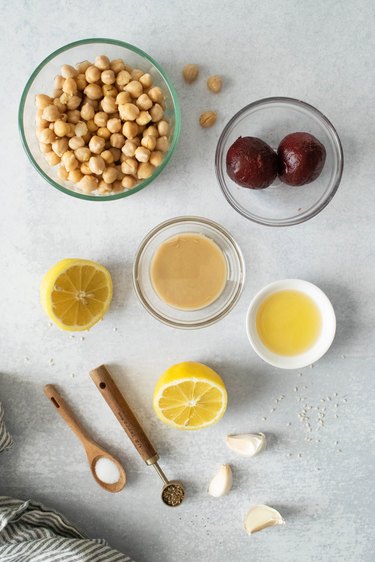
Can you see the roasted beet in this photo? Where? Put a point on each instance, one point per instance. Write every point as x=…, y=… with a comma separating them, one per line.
x=301, y=158
x=251, y=163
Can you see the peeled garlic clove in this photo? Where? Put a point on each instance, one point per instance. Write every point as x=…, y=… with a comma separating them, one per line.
x=260, y=517
x=221, y=484
x=247, y=444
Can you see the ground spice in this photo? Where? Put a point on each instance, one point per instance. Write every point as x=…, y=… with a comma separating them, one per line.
x=173, y=495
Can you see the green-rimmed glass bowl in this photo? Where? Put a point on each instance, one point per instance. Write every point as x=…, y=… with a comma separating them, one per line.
x=41, y=81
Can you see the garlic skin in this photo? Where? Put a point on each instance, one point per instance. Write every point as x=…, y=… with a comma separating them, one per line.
x=221, y=483
x=260, y=517
x=247, y=444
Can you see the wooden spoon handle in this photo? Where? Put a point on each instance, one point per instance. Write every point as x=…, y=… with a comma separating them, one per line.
x=66, y=413
x=123, y=413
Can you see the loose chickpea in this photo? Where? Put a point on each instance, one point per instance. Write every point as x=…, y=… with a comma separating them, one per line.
x=123, y=78
x=57, y=92
x=44, y=148
x=156, y=158
x=83, y=154
x=42, y=101
x=163, y=128
x=94, y=103
x=117, y=187
x=104, y=133
x=69, y=160
x=46, y=136
x=134, y=88
x=144, y=102
x=51, y=113
x=88, y=184
x=128, y=111
x=109, y=90
x=142, y=154
x=96, y=144
x=101, y=119
x=81, y=82
x=75, y=176
x=130, y=129
x=83, y=66
x=70, y=86
x=129, y=148
x=117, y=140
x=116, y=152
x=143, y=118
x=73, y=116
x=87, y=138
x=60, y=106
x=85, y=168
x=122, y=98
x=145, y=170
x=156, y=94
x=60, y=146
x=146, y=80
x=110, y=175
x=119, y=172
x=97, y=165
x=70, y=130
x=162, y=144
x=80, y=129
x=92, y=128
x=148, y=142
x=74, y=102
x=102, y=62
x=129, y=166
x=117, y=65
x=92, y=74
x=87, y=112
x=128, y=182
x=58, y=82
x=108, y=77
x=108, y=104
x=136, y=73
x=114, y=125
x=104, y=187
x=107, y=156
x=151, y=131
x=93, y=91
x=76, y=142
x=156, y=112
x=62, y=173
x=68, y=71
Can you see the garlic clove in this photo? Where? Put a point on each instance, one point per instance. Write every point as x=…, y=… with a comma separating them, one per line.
x=222, y=482
x=247, y=444
x=260, y=517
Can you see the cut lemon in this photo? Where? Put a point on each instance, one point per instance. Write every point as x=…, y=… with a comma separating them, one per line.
x=190, y=396
x=76, y=293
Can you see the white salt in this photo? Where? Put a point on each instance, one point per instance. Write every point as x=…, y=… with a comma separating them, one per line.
x=107, y=471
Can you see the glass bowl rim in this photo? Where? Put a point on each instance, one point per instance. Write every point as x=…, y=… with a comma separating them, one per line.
x=237, y=252
x=177, y=115
x=303, y=216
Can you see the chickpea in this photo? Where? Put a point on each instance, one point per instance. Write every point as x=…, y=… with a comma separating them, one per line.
x=57, y=92
x=88, y=184
x=68, y=71
x=163, y=128
x=81, y=82
x=156, y=158
x=73, y=116
x=44, y=148
x=108, y=77
x=40, y=122
x=60, y=146
x=102, y=62
x=83, y=154
x=109, y=90
x=104, y=133
x=92, y=74
x=85, y=168
x=61, y=128
x=101, y=119
x=117, y=65
x=86, y=138
x=116, y=152
x=92, y=128
x=117, y=187
x=122, y=98
x=145, y=170
x=107, y=156
x=128, y=182
x=114, y=125
x=80, y=129
x=134, y=88
x=149, y=142
x=142, y=154
x=87, y=112
x=58, y=82
x=62, y=173
x=42, y=101
x=96, y=144
x=110, y=175
x=83, y=66
x=60, y=106
x=144, y=102
x=97, y=165
x=94, y=103
x=151, y=131
x=51, y=113
x=46, y=136
x=130, y=129
x=146, y=80
x=117, y=140
x=69, y=160
x=93, y=91
x=156, y=94
x=104, y=187
x=129, y=166
x=76, y=142
x=75, y=175
x=162, y=144
x=156, y=112
x=74, y=102
x=143, y=118
x=70, y=86
x=129, y=148
x=128, y=111
x=123, y=78
x=70, y=130
x=109, y=104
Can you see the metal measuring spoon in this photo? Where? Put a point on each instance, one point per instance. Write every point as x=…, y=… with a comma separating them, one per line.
x=173, y=491
x=93, y=451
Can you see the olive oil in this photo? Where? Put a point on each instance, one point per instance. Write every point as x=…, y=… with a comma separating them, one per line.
x=288, y=322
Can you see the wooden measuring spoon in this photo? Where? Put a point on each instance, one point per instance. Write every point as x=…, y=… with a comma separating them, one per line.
x=93, y=451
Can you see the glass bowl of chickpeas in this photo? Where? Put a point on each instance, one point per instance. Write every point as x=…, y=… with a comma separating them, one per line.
x=99, y=119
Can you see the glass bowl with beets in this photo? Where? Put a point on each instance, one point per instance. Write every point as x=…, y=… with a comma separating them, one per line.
x=279, y=161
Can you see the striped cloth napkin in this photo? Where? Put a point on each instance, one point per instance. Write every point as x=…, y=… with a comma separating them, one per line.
x=31, y=533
